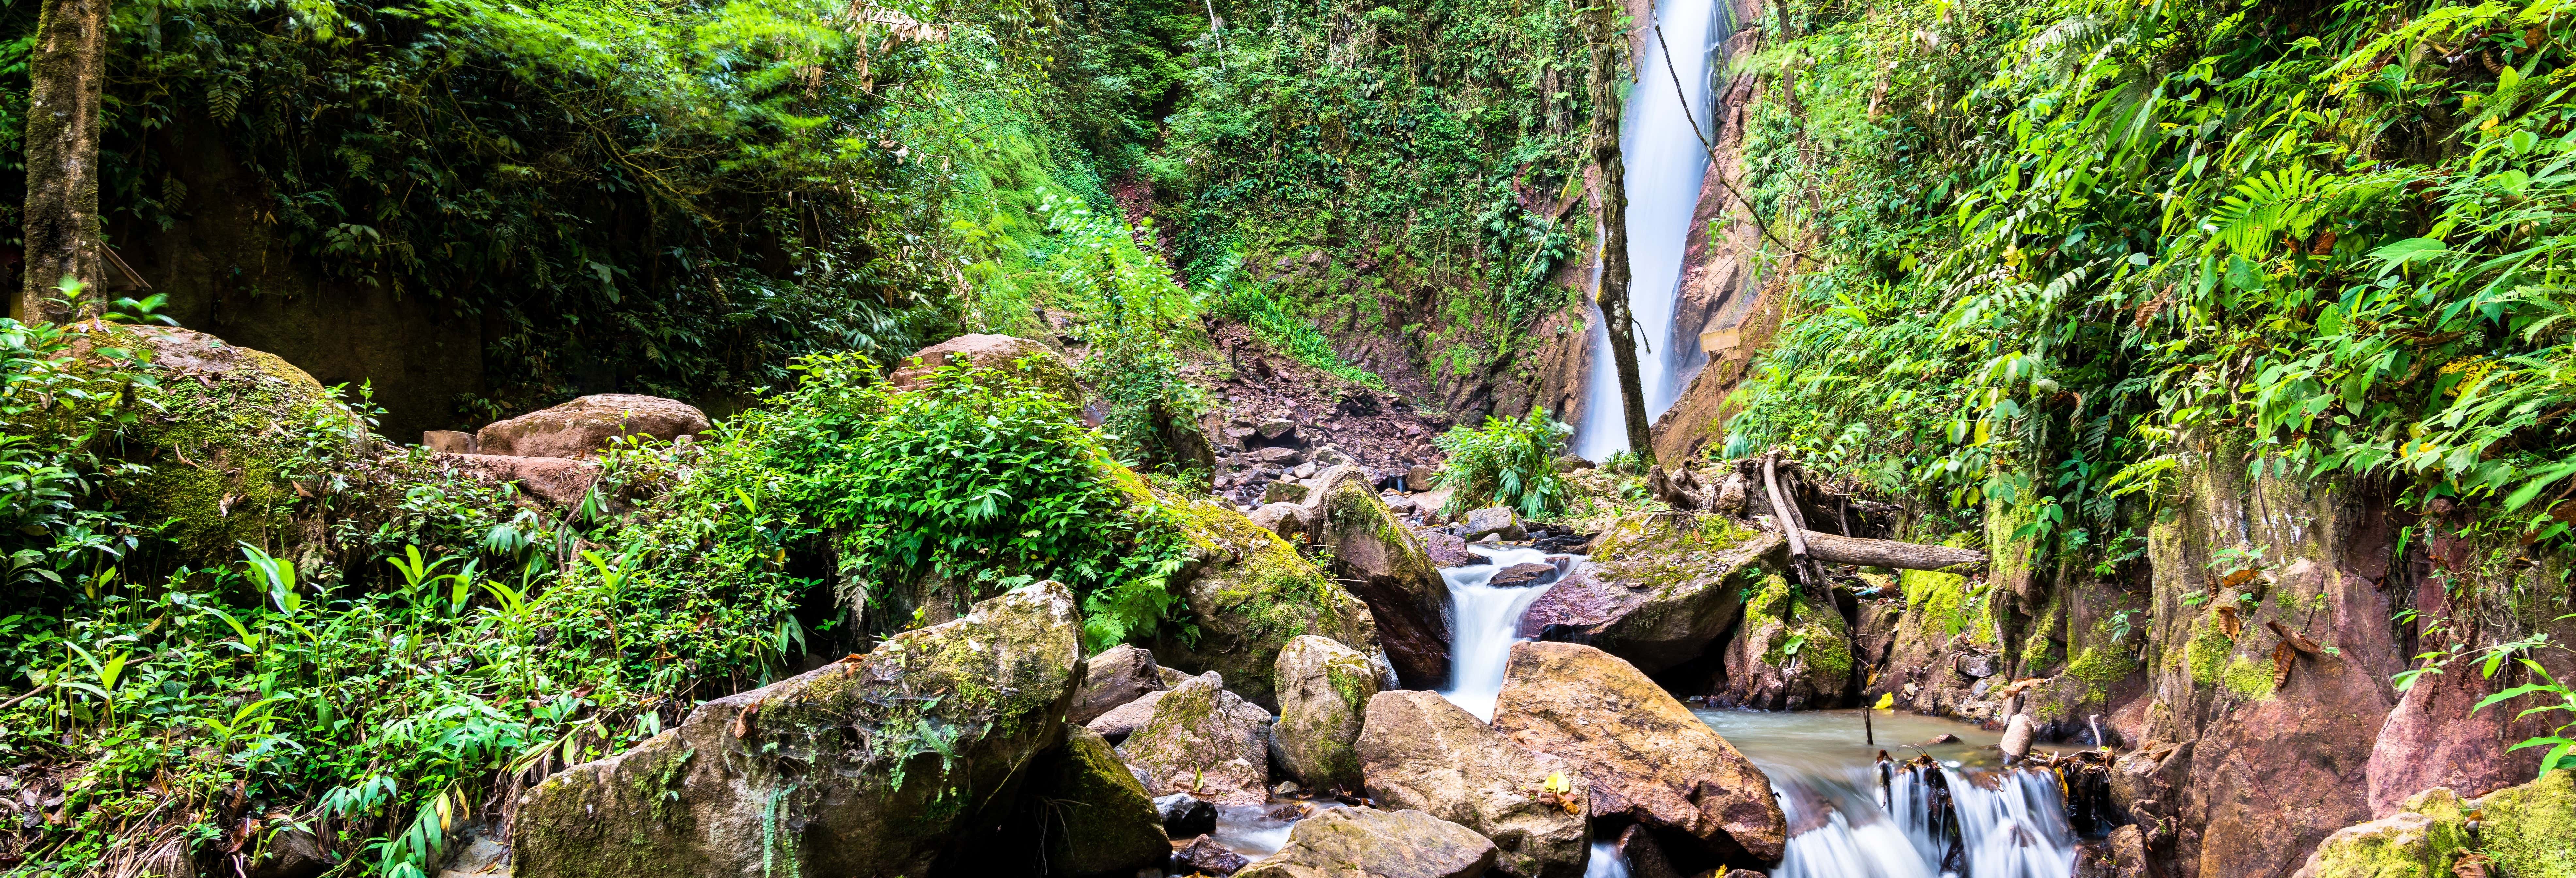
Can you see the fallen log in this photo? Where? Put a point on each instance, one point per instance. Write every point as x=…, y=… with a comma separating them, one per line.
x=1837, y=549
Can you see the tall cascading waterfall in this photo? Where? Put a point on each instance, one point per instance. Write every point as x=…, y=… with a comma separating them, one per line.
x=1666, y=165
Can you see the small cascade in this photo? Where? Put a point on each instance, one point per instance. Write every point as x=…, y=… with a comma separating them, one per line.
x=1606, y=862
x=1484, y=622
x=2009, y=824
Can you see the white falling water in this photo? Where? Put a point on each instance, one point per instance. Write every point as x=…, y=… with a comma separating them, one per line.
x=1483, y=621
x=1606, y=861
x=1665, y=166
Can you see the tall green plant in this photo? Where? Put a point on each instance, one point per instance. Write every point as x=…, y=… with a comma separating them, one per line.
x=1510, y=462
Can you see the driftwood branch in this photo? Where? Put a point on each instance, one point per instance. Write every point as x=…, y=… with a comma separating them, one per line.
x=1781, y=510
x=1837, y=549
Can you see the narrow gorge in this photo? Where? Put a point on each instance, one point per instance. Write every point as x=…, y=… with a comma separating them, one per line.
x=1089, y=438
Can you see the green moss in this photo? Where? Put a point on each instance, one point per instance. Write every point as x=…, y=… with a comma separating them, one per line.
x=2247, y=677
x=1941, y=597
x=2530, y=830
x=2206, y=653
x=2099, y=668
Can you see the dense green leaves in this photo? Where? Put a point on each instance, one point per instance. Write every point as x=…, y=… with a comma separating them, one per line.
x=1509, y=462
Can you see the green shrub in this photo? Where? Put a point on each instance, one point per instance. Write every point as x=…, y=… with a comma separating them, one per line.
x=1274, y=326
x=1510, y=462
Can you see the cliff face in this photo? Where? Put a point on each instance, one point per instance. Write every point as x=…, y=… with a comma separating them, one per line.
x=2246, y=661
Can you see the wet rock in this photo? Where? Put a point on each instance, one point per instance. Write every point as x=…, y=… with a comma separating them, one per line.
x=1657, y=592
x=1350, y=842
x=1421, y=752
x=1204, y=741
x=1792, y=650
x=1520, y=575
x=560, y=481
x=1185, y=815
x=1876, y=634
x=1277, y=429
x=1027, y=359
x=586, y=426
x=1380, y=561
x=1119, y=722
x=1118, y=675
x=1203, y=856
x=1648, y=758
x=2017, y=736
x=1324, y=687
x=708, y=792
x=1093, y=814
x=1249, y=594
x=1977, y=665
x=1493, y=521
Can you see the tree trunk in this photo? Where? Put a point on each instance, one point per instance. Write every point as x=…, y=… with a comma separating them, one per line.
x=68, y=66
x=1607, y=44
x=1837, y=549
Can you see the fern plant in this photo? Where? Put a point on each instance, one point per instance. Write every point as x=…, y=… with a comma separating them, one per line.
x=1510, y=462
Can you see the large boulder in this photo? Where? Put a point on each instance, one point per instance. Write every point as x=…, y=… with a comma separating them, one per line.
x=1493, y=521
x=1387, y=568
x=1118, y=675
x=561, y=481
x=1030, y=360
x=873, y=765
x=588, y=425
x=224, y=430
x=1361, y=843
x=1422, y=753
x=1324, y=687
x=1792, y=651
x=1204, y=741
x=1648, y=758
x=1659, y=589
x=1249, y=593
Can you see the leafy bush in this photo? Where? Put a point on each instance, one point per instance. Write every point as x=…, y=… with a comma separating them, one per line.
x=1274, y=326
x=1508, y=462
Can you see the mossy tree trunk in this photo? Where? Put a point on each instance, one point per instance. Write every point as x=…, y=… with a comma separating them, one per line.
x=68, y=67
x=1607, y=43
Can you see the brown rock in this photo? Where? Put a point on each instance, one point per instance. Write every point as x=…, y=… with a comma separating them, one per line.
x=1360, y=843
x=1118, y=675
x=1446, y=550
x=1204, y=741
x=1288, y=520
x=586, y=426
x=1656, y=593
x=1519, y=575
x=1280, y=456
x=1250, y=594
x=448, y=441
x=1283, y=492
x=1421, y=752
x=1648, y=758
x=1030, y=360
x=1324, y=687
x=1118, y=722
x=1421, y=478
x=561, y=481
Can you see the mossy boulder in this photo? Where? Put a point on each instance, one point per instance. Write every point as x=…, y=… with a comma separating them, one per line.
x=1659, y=588
x=1204, y=741
x=2530, y=830
x=878, y=764
x=1349, y=842
x=1792, y=651
x=1387, y=568
x=2526, y=831
x=227, y=432
x=1324, y=689
x=1248, y=594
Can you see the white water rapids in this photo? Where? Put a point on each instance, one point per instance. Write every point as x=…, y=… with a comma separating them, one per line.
x=2009, y=824
x=1665, y=166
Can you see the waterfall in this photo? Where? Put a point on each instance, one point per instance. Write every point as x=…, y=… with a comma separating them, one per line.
x=1483, y=621
x=1665, y=168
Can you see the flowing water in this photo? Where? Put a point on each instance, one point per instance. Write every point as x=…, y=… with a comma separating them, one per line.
x=1844, y=823
x=1482, y=624
x=1665, y=167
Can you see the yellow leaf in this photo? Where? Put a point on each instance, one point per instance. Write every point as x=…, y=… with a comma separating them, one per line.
x=1886, y=701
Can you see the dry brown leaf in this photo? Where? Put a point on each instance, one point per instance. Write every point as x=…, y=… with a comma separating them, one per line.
x=2228, y=621
x=2295, y=639
x=2283, y=656
x=2237, y=578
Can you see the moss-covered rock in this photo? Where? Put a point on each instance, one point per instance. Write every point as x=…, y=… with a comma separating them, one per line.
x=1388, y=568
x=1028, y=359
x=874, y=765
x=1096, y=817
x=1358, y=841
x=1792, y=651
x=2530, y=830
x=227, y=432
x=1248, y=594
x=1204, y=741
x=1324, y=688
x=1659, y=588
